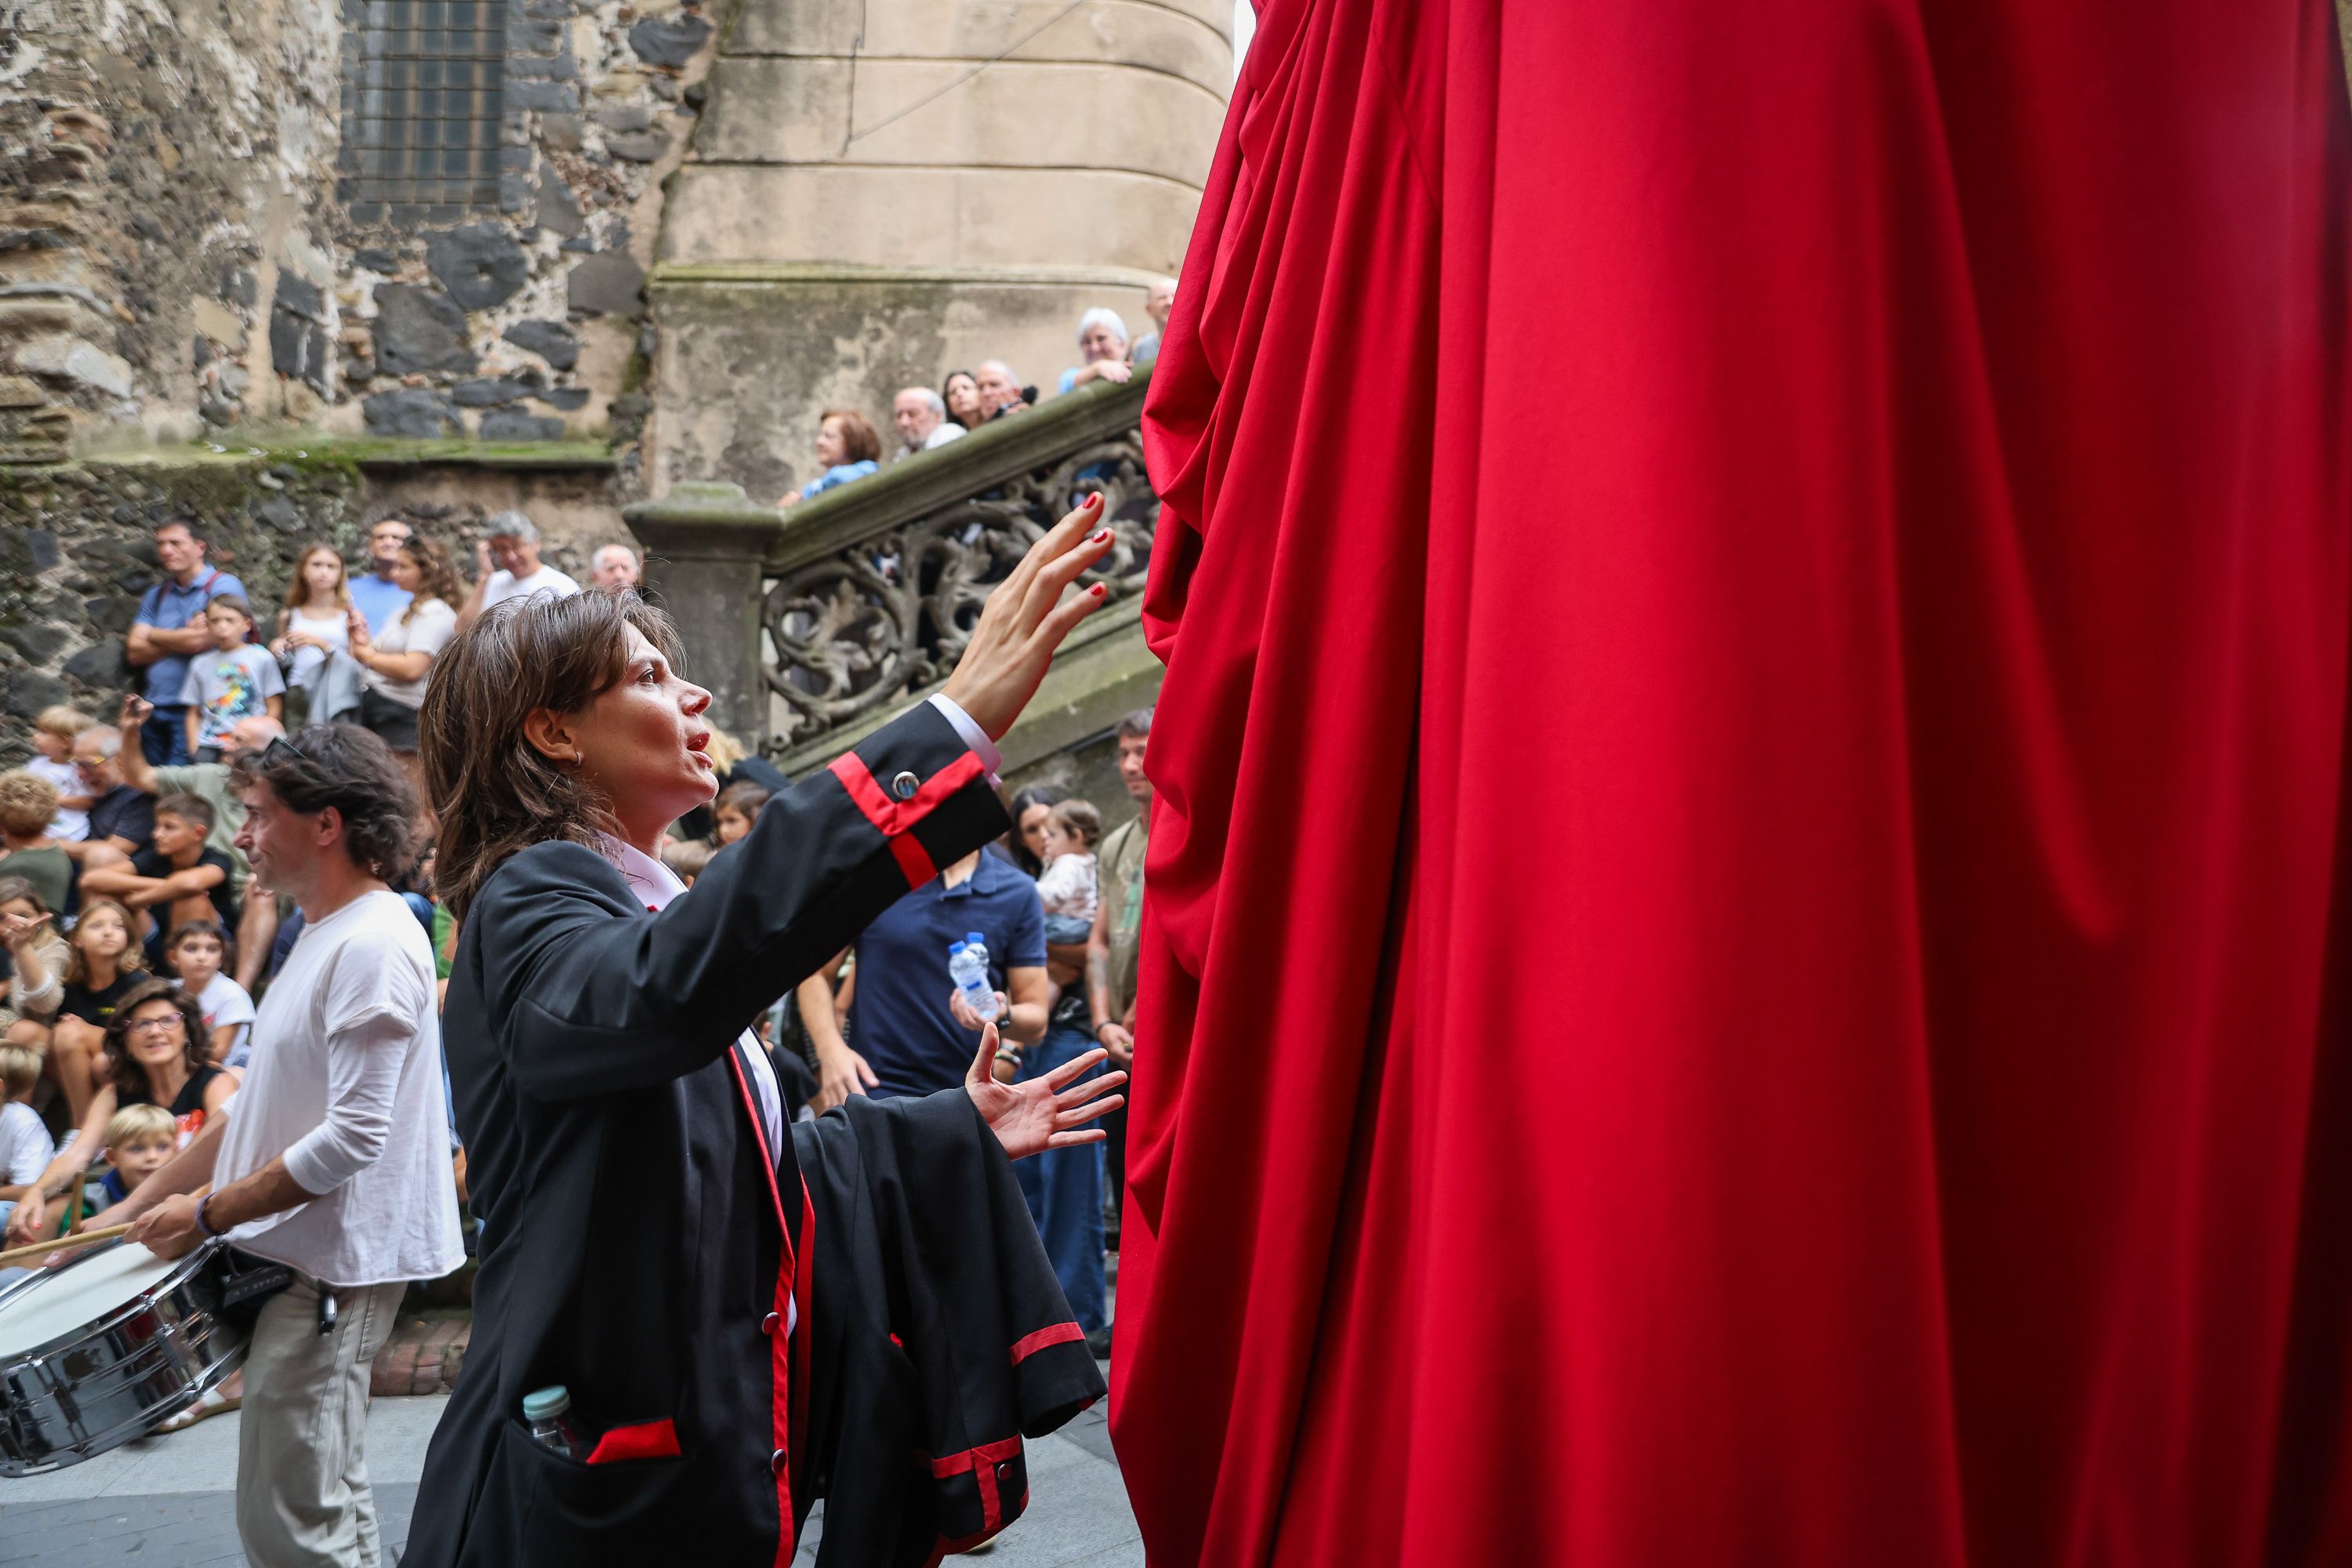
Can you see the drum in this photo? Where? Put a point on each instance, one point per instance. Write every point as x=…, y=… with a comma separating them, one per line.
x=98, y=1350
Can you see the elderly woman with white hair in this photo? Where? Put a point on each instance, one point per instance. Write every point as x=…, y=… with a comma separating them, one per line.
x=1102, y=339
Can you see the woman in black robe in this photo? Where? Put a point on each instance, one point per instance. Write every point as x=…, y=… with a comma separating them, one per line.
x=746, y=1314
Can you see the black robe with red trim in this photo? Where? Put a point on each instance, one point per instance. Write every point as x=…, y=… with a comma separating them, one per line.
x=641, y=1245
x=939, y=1336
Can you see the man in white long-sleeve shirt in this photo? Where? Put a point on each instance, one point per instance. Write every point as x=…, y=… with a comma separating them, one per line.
x=333, y=1158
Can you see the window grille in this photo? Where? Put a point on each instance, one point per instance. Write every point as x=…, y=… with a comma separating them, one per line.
x=422, y=83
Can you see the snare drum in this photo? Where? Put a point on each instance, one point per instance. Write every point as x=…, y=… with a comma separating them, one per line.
x=97, y=1352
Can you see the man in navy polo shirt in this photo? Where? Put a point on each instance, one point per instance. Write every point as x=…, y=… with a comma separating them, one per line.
x=170, y=627
x=903, y=1014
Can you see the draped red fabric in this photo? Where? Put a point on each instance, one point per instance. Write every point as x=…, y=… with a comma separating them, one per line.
x=1749, y=909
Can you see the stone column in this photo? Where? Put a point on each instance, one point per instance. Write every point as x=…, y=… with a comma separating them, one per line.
x=703, y=546
x=881, y=194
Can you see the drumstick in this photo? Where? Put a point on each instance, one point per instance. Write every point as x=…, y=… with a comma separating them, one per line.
x=62, y=1243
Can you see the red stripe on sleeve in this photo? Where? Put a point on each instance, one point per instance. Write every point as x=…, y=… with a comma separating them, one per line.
x=914, y=860
x=1028, y=1345
x=880, y=808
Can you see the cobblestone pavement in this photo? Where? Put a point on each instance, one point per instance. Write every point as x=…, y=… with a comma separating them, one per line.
x=166, y=1502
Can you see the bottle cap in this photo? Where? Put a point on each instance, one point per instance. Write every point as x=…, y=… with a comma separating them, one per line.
x=545, y=1404
x=954, y=948
x=974, y=938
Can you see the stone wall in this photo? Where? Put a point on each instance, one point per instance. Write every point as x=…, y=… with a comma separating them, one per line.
x=76, y=548
x=525, y=324
x=876, y=198
x=164, y=164
x=179, y=251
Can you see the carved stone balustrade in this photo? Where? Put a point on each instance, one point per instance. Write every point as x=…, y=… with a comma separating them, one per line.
x=814, y=624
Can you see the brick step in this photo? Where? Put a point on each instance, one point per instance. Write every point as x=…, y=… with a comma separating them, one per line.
x=424, y=1354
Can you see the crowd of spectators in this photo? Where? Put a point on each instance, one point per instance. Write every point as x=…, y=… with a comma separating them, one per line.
x=135, y=937
x=136, y=943
x=848, y=449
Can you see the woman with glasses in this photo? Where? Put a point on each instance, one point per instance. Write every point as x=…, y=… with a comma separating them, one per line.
x=155, y=1053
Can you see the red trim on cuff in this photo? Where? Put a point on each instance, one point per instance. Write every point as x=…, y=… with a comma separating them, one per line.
x=896, y=817
x=1028, y=1345
x=970, y=1459
x=646, y=1440
x=982, y=1462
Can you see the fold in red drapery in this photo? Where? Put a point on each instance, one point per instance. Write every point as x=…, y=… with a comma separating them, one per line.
x=1750, y=911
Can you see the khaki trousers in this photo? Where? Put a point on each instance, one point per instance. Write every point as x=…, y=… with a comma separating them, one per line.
x=302, y=1493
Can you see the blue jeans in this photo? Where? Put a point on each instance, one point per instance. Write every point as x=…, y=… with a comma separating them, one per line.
x=163, y=739
x=1064, y=1187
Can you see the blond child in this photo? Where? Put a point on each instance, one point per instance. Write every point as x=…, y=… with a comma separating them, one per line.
x=138, y=1140
x=53, y=737
x=25, y=1147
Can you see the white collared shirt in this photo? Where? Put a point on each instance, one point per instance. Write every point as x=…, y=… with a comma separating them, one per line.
x=654, y=884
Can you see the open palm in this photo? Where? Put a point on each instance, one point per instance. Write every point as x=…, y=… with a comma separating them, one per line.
x=1042, y=1113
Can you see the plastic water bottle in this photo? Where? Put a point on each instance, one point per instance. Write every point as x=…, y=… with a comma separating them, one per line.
x=545, y=1409
x=969, y=969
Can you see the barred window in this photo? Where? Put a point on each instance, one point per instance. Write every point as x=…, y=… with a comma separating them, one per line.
x=422, y=82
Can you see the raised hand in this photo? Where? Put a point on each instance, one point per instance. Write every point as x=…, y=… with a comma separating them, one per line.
x=1027, y=618
x=1042, y=1113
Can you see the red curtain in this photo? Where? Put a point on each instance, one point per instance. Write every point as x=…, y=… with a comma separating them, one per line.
x=1749, y=913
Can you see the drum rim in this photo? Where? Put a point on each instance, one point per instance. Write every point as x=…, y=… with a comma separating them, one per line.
x=142, y=1302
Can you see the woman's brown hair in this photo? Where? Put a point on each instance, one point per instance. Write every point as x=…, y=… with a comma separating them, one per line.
x=297, y=591
x=126, y=963
x=435, y=578
x=492, y=791
x=12, y=889
x=859, y=444
x=123, y=1069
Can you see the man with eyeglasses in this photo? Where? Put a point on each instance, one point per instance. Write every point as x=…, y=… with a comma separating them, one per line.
x=333, y=1159
x=121, y=819
x=378, y=598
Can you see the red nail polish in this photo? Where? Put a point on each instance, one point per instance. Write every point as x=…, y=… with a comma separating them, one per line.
x=1097, y=590
x=1094, y=499
x=1102, y=536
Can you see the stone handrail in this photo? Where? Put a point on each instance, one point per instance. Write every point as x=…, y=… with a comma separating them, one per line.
x=859, y=600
